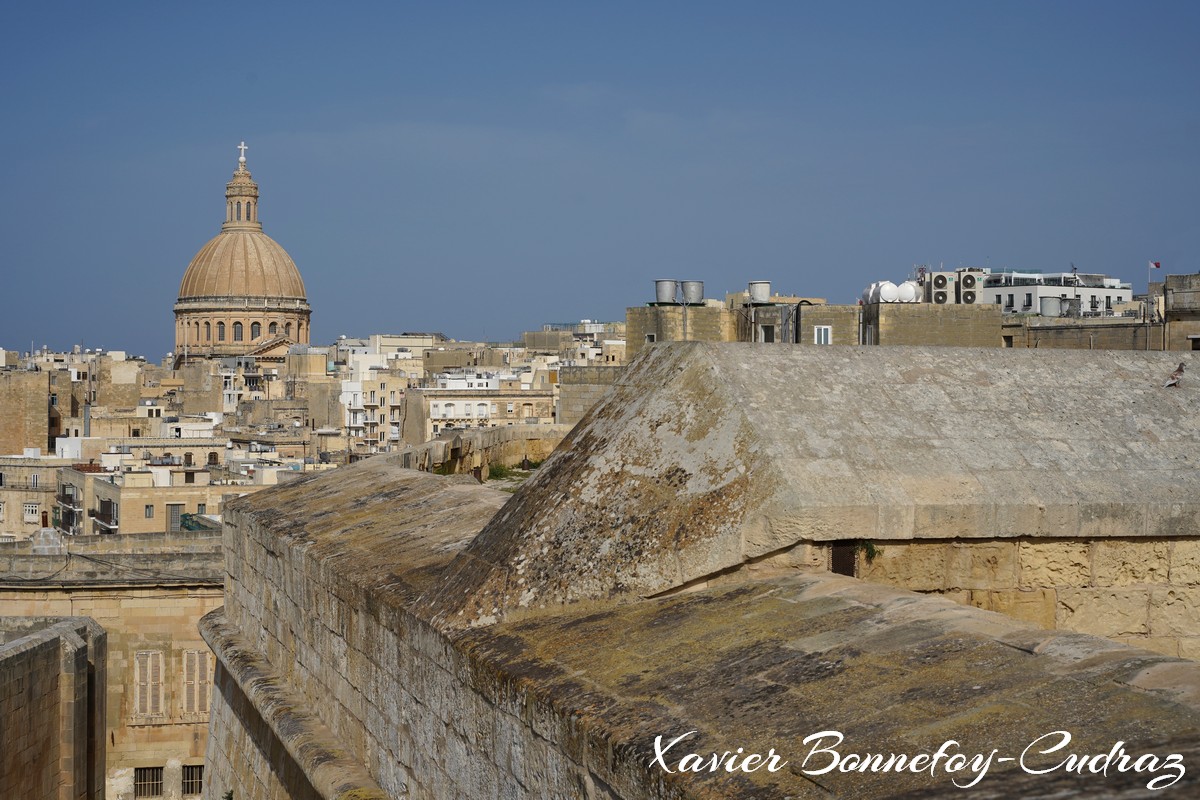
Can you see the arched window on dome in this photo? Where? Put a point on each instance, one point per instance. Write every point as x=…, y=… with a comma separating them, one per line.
x=237, y=331
x=239, y=210
x=220, y=331
x=249, y=212
x=273, y=328
x=287, y=330
x=208, y=331
x=255, y=331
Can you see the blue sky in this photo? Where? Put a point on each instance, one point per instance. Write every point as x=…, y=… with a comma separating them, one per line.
x=482, y=168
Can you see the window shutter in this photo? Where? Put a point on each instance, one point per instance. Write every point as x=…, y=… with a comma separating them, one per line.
x=203, y=680
x=155, y=683
x=141, y=690
x=189, y=682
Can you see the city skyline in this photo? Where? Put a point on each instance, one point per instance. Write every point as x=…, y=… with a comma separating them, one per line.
x=481, y=171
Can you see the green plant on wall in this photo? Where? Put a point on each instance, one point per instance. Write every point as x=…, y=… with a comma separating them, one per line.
x=868, y=549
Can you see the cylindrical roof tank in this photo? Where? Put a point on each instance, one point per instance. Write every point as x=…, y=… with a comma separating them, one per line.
x=664, y=291
x=888, y=292
x=693, y=292
x=909, y=292
x=1051, y=306
x=868, y=294
x=760, y=291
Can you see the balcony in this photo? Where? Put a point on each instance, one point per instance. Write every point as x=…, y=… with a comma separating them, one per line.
x=105, y=520
x=70, y=501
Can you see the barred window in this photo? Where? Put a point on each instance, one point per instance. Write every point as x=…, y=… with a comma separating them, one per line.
x=148, y=686
x=147, y=781
x=193, y=779
x=196, y=681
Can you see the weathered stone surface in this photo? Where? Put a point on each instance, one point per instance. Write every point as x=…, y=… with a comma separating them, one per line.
x=1035, y=606
x=1055, y=564
x=1185, y=562
x=1104, y=612
x=919, y=566
x=1174, y=611
x=733, y=451
x=1124, y=562
x=982, y=565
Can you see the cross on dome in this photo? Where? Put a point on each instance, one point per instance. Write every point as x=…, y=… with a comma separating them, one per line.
x=243, y=148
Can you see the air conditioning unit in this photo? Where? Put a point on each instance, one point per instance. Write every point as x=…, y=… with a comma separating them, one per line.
x=968, y=287
x=939, y=287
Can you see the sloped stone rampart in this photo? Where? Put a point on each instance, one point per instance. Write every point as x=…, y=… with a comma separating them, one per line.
x=707, y=456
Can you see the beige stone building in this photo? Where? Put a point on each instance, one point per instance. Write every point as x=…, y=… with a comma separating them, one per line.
x=27, y=485
x=242, y=293
x=147, y=592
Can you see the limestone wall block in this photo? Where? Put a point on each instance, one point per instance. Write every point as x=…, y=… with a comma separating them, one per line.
x=983, y=565
x=1104, y=612
x=1185, y=562
x=1175, y=611
x=1121, y=562
x=1036, y=606
x=1046, y=564
x=920, y=567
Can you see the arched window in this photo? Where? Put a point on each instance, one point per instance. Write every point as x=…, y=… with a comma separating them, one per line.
x=208, y=331
x=220, y=331
x=239, y=210
x=255, y=331
x=237, y=331
x=197, y=331
x=287, y=330
x=212, y=459
x=273, y=328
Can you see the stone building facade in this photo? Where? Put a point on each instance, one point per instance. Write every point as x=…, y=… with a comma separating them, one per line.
x=242, y=293
x=147, y=592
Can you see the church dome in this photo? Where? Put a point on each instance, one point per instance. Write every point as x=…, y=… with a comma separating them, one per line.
x=242, y=263
x=241, y=260
x=241, y=294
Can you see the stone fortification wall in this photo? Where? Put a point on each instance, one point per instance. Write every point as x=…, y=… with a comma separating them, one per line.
x=51, y=718
x=708, y=458
x=336, y=682
x=1140, y=591
x=119, y=559
x=927, y=324
x=580, y=388
x=473, y=449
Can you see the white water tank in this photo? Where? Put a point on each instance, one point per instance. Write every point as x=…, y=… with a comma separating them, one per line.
x=909, y=292
x=760, y=291
x=868, y=294
x=693, y=292
x=1051, y=306
x=664, y=291
x=888, y=292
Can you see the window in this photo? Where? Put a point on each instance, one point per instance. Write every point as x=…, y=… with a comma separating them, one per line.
x=33, y=481
x=255, y=331
x=999, y=299
x=196, y=681
x=201, y=508
x=1010, y=302
x=220, y=331
x=1, y=478
x=189, y=477
x=208, y=331
x=149, y=511
x=650, y=338
x=53, y=399
x=1029, y=299
x=212, y=459
x=193, y=779
x=273, y=328
x=1, y=512
x=174, y=516
x=766, y=333
x=510, y=408
x=822, y=334
x=237, y=331
x=30, y=511
x=239, y=210
x=287, y=330
x=148, y=690
x=147, y=781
